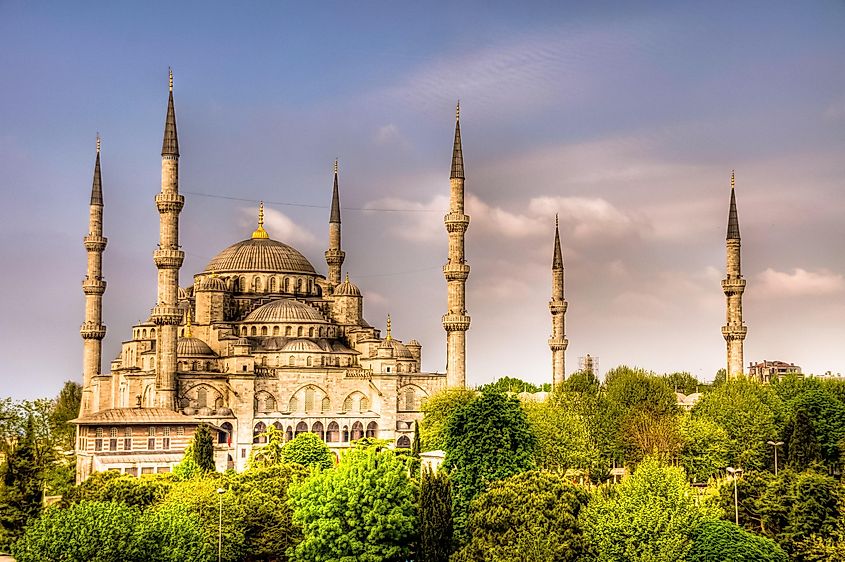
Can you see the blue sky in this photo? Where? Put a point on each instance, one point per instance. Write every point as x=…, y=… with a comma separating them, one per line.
x=626, y=120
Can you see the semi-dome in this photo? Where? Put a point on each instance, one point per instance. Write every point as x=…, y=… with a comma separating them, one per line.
x=212, y=283
x=260, y=254
x=301, y=345
x=285, y=310
x=193, y=347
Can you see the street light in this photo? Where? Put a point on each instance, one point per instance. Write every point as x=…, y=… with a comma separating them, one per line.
x=775, y=444
x=735, y=472
x=220, y=492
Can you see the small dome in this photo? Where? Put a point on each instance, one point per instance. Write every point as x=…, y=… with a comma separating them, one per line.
x=243, y=341
x=212, y=283
x=302, y=345
x=193, y=347
x=413, y=343
x=260, y=254
x=347, y=289
x=285, y=310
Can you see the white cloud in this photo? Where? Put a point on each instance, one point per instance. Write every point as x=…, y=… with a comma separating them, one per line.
x=800, y=282
x=280, y=227
x=389, y=135
x=588, y=217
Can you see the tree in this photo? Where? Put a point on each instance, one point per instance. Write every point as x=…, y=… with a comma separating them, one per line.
x=802, y=447
x=820, y=401
x=308, y=449
x=647, y=517
x=65, y=409
x=486, y=440
x=364, y=509
x=22, y=484
x=435, y=517
x=436, y=410
x=125, y=489
x=202, y=449
x=562, y=435
x=510, y=384
x=704, y=453
x=171, y=533
x=649, y=434
x=683, y=382
x=717, y=540
x=84, y=532
x=532, y=516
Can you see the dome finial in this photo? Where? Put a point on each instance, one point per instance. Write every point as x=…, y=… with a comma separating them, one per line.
x=389, y=335
x=733, y=179
x=347, y=277
x=188, y=333
x=335, y=166
x=458, y=111
x=260, y=232
x=170, y=73
x=98, y=142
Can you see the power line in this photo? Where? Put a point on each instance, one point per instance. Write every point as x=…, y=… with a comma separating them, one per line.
x=306, y=205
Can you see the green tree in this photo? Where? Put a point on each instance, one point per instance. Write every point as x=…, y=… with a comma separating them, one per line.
x=364, y=509
x=22, y=486
x=84, y=532
x=532, y=516
x=125, y=489
x=65, y=409
x=510, y=384
x=486, y=440
x=202, y=449
x=647, y=517
x=802, y=447
x=171, y=533
x=436, y=411
x=717, y=540
x=704, y=453
x=683, y=382
x=562, y=434
x=435, y=517
x=308, y=449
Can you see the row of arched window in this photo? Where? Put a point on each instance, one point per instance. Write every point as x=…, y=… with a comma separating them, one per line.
x=333, y=433
x=289, y=331
x=311, y=401
x=143, y=334
x=310, y=361
x=274, y=284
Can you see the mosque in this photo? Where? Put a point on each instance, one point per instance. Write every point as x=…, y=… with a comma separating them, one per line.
x=259, y=338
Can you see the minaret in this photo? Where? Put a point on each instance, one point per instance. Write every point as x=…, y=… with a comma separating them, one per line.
x=557, y=306
x=93, y=286
x=334, y=255
x=456, y=321
x=734, y=285
x=168, y=259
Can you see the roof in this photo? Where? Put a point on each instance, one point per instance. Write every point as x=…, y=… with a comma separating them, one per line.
x=193, y=347
x=260, y=254
x=97, y=186
x=733, y=218
x=131, y=416
x=285, y=310
x=335, y=213
x=170, y=144
x=457, y=154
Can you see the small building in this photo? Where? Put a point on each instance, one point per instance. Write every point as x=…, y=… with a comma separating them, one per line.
x=432, y=460
x=765, y=371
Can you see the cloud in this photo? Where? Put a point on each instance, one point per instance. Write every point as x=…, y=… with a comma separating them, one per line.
x=588, y=217
x=389, y=135
x=280, y=227
x=779, y=284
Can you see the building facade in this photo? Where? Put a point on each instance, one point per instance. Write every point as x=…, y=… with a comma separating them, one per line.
x=258, y=338
x=765, y=371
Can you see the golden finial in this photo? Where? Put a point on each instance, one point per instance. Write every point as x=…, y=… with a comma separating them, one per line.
x=188, y=333
x=170, y=72
x=214, y=274
x=335, y=166
x=389, y=335
x=98, y=142
x=260, y=232
x=733, y=179
x=557, y=222
x=347, y=277
x=458, y=111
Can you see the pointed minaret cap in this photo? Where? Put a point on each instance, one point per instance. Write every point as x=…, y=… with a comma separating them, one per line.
x=457, y=151
x=97, y=186
x=557, y=261
x=733, y=217
x=260, y=233
x=335, y=213
x=389, y=333
x=170, y=144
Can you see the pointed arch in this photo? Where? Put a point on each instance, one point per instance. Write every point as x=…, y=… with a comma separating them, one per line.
x=403, y=442
x=301, y=428
x=357, y=431
x=372, y=430
x=317, y=428
x=333, y=433
x=258, y=433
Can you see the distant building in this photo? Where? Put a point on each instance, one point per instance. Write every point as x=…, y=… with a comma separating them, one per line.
x=687, y=401
x=766, y=370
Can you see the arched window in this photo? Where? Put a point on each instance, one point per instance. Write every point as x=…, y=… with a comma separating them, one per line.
x=372, y=429
x=322, y=332
x=152, y=332
x=403, y=442
x=309, y=400
x=270, y=403
x=275, y=330
x=347, y=404
x=256, y=284
x=344, y=436
x=272, y=284
x=318, y=429
x=357, y=431
x=287, y=285
x=291, y=361
x=308, y=361
x=242, y=284
x=332, y=433
x=299, y=332
x=144, y=333
x=243, y=330
x=287, y=331
x=364, y=405
x=301, y=428
x=263, y=330
x=289, y=433
x=279, y=427
x=325, y=404
x=310, y=332
x=409, y=399
x=253, y=331
x=225, y=433
x=293, y=406
x=202, y=398
x=258, y=435
x=299, y=285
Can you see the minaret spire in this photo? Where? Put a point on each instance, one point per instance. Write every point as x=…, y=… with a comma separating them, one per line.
x=734, y=331
x=93, y=331
x=557, y=307
x=168, y=259
x=456, y=321
x=334, y=255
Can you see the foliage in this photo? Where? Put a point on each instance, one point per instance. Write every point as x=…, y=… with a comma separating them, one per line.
x=750, y=413
x=683, y=382
x=532, y=516
x=84, y=532
x=647, y=517
x=65, y=409
x=562, y=434
x=363, y=510
x=581, y=382
x=649, y=434
x=125, y=489
x=487, y=439
x=718, y=540
x=436, y=411
x=22, y=482
x=202, y=449
x=308, y=449
x=171, y=533
x=510, y=384
x=704, y=453
x=435, y=517
x=802, y=447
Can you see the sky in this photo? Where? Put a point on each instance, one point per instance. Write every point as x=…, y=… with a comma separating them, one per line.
x=624, y=118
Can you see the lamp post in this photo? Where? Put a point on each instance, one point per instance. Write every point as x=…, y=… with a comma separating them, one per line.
x=735, y=472
x=775, y=445
x=220, y=492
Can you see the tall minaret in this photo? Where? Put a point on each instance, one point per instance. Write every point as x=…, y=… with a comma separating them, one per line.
x=334, y=255
x=93, y=286
x=734, y=285
x=168, y=259
x=557, y=306
x=456, y=321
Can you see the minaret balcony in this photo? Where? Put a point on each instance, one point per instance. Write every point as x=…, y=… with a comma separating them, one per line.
x=94, y=243
x=93, y=286
x=165, y=315
x=168, y=259
x=558, y=307
x=558, y=344
x=92, y=331
x=733, y=286
x=734, y=333
x=456, y=322
x=335, y=257
x=169, y=202
x=456, y=222
x=456, y=271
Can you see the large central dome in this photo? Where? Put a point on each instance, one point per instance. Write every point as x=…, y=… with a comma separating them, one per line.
x=260, y=254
